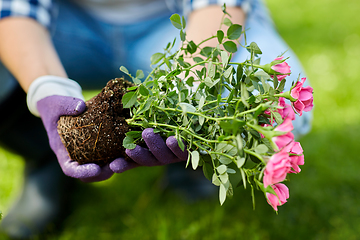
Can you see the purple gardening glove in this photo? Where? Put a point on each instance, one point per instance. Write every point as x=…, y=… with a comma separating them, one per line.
x=50, y=109
x=50, y=97
x=158, y=153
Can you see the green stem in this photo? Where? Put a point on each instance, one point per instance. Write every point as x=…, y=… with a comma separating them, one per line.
x=211, y=118
x=209, y=38
x=174, y=127
x=254, y=154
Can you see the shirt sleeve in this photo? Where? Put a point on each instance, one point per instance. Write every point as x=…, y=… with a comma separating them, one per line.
x=39, y=10
x=191, y=5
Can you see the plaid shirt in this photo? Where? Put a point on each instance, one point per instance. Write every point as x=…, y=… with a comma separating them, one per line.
x=41, y=10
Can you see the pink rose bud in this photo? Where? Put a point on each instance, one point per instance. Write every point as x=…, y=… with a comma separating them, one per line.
x=283, y=68
x=282, y=192
x=304, y=97
x=276, y=169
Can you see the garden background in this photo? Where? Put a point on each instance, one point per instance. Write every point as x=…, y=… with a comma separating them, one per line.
x=324, y=197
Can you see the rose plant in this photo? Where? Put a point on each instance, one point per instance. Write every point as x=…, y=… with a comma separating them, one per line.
x=230, y=117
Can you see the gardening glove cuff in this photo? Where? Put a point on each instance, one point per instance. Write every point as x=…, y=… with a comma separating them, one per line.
x=49, y=85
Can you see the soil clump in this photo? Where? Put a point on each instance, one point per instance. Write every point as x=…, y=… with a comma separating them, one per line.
x=96, y=136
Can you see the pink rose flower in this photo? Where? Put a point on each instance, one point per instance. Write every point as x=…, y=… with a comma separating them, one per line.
x=276, y=169
x=286, y=111
x=304, y=97
x=282, y=192
x=297, y=159
x=283, y=68
x=283, y=141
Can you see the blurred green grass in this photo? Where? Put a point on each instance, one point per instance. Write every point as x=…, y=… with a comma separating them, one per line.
x=324, y=197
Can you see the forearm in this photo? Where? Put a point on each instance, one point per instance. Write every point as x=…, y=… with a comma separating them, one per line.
x=205, y=22
x=27, y=51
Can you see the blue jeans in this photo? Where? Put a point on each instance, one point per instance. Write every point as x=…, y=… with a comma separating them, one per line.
x=92, y=51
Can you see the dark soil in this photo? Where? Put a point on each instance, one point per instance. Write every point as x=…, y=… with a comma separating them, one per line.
x=96, y=135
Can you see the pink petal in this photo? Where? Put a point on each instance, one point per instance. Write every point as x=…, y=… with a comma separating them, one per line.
x=308, y=105
x=305, y=95
x=283, y=141
x=296, y=148
x=285, y=126
x=299, y=107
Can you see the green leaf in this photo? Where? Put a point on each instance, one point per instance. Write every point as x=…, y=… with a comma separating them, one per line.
x=224, y=160
x=129, y=99
x=240, y=161
x=239, y=142
x=191, y=47
x=224, y=178
x=281, y=85
x=195, y=157
x=253, y=47
x=239, y=73
x=227, y=22
x=231, y=95
x=134, y=134
x=210, y=83
x=156, y=57
x=244, y=94
x=243, y=176
x=201, y=102
x=190, y=81
x=221, y=169
x=224, y=58
x=168, y=46
x=132, y=88
x=186, y=107
x=234, y=31
x=143, y=90
x=176, y=21
x=207, y=170
x=277, y=117
x=228, y=72
x=128, y=142
x=261, y=148
x=173, y=73
x=211, y=69
x=198, y=59
x=275, y=81
x=139, y=74
x=124, y=70
x=183, y=22
x=220, y=36
x=206, y=51
x=179, y=140
x=145, y=105
x=230, y=46
x=222, y=194
x=215, y=180
x=182, y=35
x=136, y=80
x=201, y=122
